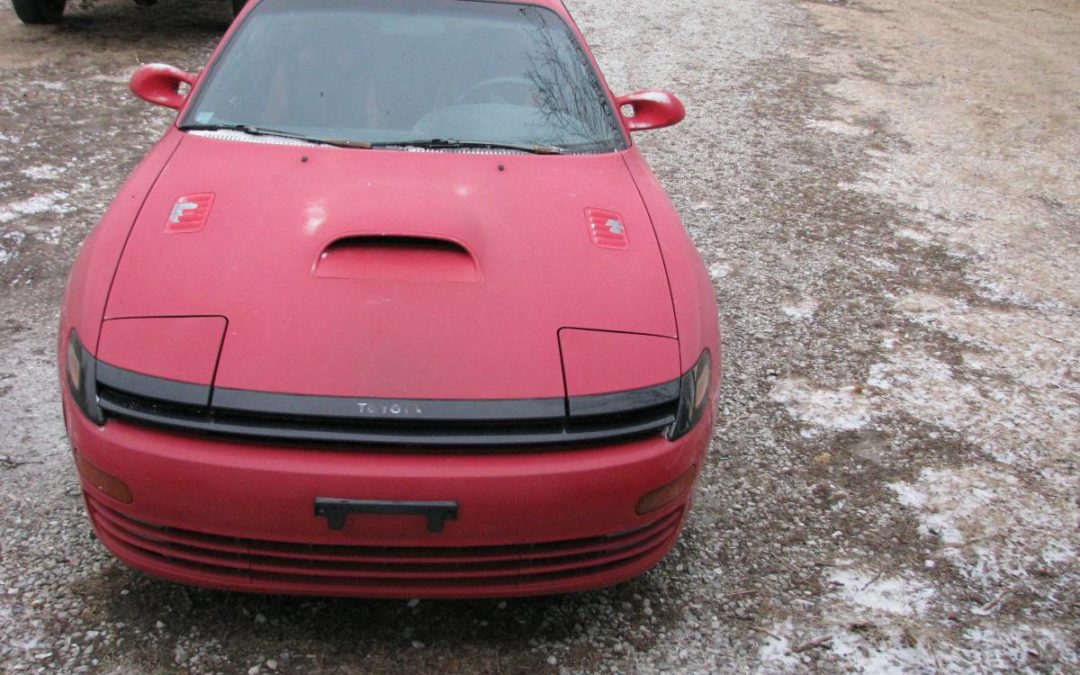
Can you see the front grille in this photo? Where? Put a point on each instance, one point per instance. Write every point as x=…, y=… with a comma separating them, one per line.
x=419, y=424
x=468, y=433
x=308, y=566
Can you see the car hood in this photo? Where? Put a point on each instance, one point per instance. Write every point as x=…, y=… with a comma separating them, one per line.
x=355, y=272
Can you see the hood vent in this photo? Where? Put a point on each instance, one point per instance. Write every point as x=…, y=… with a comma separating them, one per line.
x=396, y=257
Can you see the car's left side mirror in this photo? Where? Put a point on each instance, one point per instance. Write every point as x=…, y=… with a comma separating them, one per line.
x=650, y=110
x=162, y=85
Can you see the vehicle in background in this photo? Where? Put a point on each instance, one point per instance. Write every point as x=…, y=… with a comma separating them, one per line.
x=52, y=11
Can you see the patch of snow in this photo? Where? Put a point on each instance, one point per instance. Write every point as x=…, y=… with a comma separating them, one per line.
x=873, y=626
x=915, y=235
x=51, y=202
x=9, y=246
x=924, y=303
x=913, y=382
x=1012, y=647
x=889, y=650
x=995, y=530
x=909, y=495
x=49, y=86
x=719, y=270
x=1018, y=400
x=838, y=127
x=775, y=655
x=893, y=595
x=841, y=409
x=893, y=654
x=882, y=264
x=802, y=310
x=42, y=172
x=50, y=236
x=116, y=78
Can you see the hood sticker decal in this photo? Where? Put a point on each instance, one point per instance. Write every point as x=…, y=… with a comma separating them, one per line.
x=189, y=213
x=607, y=229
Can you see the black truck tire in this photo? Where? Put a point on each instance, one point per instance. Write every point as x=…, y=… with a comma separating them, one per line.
x=39, y=11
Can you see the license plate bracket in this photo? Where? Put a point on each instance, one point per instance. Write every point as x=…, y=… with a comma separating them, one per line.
x=337, y=510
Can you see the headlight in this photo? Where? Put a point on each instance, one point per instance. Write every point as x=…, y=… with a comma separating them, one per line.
x=81, y=378
x=693, y=396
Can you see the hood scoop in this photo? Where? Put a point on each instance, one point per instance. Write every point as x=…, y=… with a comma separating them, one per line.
x=396, y=257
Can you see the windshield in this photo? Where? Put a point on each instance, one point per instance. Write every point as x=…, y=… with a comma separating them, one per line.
x=386, y=72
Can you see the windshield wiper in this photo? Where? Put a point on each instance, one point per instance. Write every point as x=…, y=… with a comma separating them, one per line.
x=433, y=143
x=450, y=144
x=263, y=131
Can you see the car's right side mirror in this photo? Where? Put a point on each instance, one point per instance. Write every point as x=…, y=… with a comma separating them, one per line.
x=650, y=110
x=161, y=84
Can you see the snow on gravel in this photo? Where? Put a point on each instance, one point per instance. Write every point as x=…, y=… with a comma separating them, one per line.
x=884, y=194
x=841, y=409
x=54, y=202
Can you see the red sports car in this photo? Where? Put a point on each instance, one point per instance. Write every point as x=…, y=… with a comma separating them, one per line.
x=395, y=308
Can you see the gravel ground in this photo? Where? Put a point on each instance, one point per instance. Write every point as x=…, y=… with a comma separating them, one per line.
x=885, y=193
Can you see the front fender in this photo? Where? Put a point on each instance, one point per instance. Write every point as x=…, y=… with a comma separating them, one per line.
x=88, y=283
x=692, y=293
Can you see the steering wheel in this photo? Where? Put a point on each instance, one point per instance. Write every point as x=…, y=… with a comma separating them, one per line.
x=493, y=82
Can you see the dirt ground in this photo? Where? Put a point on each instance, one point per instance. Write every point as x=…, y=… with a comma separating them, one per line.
x=886, y=195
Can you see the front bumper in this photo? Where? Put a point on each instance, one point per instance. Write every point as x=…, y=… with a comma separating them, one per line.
x=234, y=516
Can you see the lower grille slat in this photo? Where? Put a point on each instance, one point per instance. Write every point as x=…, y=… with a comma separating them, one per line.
x=328, y=564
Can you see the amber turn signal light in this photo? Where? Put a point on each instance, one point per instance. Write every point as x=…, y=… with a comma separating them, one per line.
x=667, y=493
x=110, y=485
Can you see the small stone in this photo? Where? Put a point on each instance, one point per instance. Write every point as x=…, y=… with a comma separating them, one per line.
x=259, y=618
x=552, y=660
x=414, y=602
x=271, y=664
x=417, y=644
x=159, y=625
x=502, y=605
x=254, y=670
x=929, y=564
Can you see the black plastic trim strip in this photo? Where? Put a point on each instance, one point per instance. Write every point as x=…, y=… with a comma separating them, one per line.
x=294, y=418
x=358, y=408
x=348, y=407
x=309, y=431
x=624, y=401
x=157, y=388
